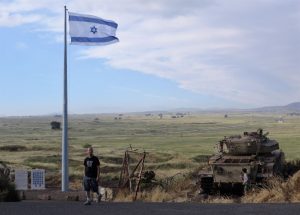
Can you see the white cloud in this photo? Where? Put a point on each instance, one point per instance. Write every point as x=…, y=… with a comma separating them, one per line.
x=245, y=51
x=9, y=20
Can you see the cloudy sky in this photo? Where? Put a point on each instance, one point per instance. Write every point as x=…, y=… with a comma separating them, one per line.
x=171, y=54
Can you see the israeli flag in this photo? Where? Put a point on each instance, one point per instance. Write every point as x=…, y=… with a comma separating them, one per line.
x=91, y=30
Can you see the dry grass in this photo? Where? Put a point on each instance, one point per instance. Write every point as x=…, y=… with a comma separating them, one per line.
x=123, y=196
x=156, y=195
x=174, y=191
x=276, y=191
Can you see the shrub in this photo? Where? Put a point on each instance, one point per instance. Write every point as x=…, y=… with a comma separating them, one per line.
x=8, y=192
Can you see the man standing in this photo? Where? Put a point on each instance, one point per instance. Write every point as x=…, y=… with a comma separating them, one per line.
x=245, y=180
x=91, y=175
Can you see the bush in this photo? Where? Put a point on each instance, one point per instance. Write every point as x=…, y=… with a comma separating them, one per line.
x=291, y=167
x=8, y=192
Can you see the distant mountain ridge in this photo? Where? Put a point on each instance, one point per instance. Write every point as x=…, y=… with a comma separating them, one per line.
x=292, y=107
x=289, y=108
x=295, y=105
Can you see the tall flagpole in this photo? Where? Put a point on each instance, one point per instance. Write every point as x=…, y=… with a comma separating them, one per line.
x=64, y=163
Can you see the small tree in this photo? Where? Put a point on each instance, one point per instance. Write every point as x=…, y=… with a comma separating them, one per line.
x=8, y=192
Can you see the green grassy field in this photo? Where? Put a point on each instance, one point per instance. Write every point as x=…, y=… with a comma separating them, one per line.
x=174, y=144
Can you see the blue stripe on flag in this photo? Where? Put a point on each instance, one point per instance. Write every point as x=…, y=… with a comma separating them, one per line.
x=94, y=20
x=93, y=40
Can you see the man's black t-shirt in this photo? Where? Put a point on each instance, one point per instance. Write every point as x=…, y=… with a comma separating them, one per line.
x=91, y=164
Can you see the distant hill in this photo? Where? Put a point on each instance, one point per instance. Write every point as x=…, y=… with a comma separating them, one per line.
x=292, y=107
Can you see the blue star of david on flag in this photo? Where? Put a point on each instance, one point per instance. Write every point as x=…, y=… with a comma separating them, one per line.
x=91, y=30
x=94, y=30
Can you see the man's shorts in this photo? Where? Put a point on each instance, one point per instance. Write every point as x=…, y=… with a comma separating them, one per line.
x=90, y=184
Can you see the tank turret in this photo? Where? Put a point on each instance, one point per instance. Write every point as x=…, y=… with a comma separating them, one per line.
x=250, y=143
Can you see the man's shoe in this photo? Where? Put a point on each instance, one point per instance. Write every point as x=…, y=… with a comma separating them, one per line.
x=87, y=202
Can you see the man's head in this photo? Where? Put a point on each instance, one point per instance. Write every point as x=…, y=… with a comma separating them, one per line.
x=244, y=170
x=90, y=151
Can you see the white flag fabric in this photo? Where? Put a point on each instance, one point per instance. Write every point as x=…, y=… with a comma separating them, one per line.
x=91, y=30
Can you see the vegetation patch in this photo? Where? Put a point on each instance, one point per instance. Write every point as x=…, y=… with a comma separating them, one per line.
x=157, y=157
x=277, y=190
x=42, y=148
x=86, y=145
x=52, y=159
x=111, y=159
x=291, y=167
x=109, y=180
x=179, y=165
x=53, y=180
x=45, y=159
x=110, y=169
x=201, y=158
x=8, y=192
x=13, y=148
x=175, y=190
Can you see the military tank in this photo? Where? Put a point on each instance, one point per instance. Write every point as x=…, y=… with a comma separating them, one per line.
x=254, y=151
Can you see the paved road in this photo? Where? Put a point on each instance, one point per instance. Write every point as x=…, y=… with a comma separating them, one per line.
x=139, y=208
